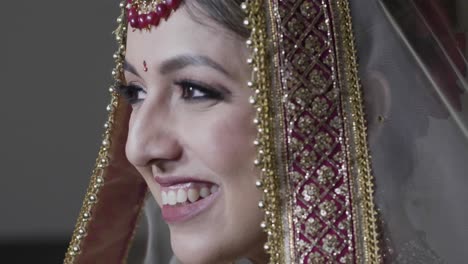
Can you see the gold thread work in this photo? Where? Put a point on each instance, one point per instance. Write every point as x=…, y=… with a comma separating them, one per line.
x=269, y=183
x=365, y=188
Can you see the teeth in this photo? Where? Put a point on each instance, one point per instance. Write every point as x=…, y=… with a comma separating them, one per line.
x=193, y=195
x=204, y=192
x=164, y=198
x=181, y=196
x=171, y=198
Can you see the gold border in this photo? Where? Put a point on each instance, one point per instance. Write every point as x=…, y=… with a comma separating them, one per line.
x=256, y=21
x=361, y=178
x=356, y=223
x=102, y=161
x=280, y=135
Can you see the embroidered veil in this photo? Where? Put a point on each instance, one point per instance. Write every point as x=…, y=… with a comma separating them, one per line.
x=362, y=137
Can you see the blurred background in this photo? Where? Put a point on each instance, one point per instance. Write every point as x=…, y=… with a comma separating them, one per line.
x=55, y=70
x=55, y=64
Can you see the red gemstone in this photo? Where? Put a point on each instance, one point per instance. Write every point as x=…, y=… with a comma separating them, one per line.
x=142, y=23
x=132, y=13
x=134, y=22
x=162, y=11
x=173, y=4
x=152, y=19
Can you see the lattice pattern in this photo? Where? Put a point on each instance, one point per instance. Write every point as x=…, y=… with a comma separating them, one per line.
x=317, y=170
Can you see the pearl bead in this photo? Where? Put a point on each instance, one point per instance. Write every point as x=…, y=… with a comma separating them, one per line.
x=258, y=183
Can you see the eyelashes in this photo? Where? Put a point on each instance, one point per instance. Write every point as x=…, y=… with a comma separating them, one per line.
x=196, y=91
x=190, y=91
x=132, y=93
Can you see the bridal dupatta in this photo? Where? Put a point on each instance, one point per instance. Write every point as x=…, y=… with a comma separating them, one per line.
x=362, y=136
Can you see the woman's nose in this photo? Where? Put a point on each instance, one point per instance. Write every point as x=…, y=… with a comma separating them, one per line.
x=152, y=138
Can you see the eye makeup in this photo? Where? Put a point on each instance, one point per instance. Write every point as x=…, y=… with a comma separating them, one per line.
x=132, y=93
x=191, y=91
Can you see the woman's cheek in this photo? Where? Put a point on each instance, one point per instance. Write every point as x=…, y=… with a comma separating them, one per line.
x=221, y=137
x=233, y=138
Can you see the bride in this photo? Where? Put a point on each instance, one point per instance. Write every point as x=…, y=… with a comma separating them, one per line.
x=252, y=123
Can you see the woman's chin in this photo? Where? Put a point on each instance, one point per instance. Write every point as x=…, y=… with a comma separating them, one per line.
x=211, y=245
x=197, y=252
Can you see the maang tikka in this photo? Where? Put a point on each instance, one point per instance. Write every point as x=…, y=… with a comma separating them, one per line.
x=143, y=14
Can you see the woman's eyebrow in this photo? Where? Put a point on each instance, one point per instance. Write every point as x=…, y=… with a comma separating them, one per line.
x=182, y=61
x=127, y=66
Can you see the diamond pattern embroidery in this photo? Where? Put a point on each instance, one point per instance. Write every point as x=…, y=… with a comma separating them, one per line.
x=317, y=170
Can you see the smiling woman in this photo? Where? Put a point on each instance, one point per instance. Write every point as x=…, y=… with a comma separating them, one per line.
x=251, y=125
x=190, y=135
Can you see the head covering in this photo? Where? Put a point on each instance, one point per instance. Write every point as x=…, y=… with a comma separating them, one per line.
x=362, y=136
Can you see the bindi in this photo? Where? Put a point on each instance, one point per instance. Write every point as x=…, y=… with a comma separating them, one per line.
x=145, y=67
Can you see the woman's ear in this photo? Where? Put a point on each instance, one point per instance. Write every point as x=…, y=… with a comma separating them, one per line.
x=377, y=102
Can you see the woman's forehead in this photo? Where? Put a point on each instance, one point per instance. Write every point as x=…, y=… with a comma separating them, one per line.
x=179, y=36
x=180, y=30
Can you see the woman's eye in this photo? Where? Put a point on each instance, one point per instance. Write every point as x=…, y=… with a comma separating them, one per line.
x=132, y=93
x=193, y=91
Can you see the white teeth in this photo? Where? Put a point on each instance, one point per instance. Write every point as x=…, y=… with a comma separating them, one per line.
x=171, y=198
x=164, y=198
x=181, y=196
x=193, y=195
x=204, y=192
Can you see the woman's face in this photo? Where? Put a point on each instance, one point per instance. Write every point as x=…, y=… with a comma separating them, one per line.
x=191, y=136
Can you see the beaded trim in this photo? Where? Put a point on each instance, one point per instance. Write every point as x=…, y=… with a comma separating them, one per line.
x=363, y=193
x=102, y=161
x=329, y=185
x=265, y=142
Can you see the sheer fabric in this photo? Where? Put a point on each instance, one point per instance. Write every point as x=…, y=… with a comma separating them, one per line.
x=414, y=75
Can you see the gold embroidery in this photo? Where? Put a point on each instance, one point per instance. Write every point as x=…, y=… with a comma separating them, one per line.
x=364, y=205
x=266, y=160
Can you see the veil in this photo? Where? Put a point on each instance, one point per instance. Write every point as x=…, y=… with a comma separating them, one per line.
x=362, y=143
x=419, y=147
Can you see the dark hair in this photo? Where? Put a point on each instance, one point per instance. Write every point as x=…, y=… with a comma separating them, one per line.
x=226, y=13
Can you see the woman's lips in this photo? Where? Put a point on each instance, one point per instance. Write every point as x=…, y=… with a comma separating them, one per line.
x=185, y=198
x=182, y=204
